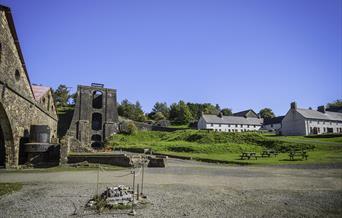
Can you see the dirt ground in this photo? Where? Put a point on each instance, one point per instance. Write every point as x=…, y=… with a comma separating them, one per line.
x=186, y=189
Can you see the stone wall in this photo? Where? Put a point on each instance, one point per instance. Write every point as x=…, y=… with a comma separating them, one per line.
x=18, y=108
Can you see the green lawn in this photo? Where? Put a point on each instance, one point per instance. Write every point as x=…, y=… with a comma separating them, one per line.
x=6, y=188
x=226, y=147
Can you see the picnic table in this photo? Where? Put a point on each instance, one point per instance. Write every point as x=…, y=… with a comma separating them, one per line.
x=269, y=153
x=248, y=155
x=302, y=153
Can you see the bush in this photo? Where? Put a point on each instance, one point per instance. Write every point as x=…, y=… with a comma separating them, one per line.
x=128, y=127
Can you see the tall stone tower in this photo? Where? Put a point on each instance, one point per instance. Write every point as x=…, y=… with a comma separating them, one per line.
x=95, y=116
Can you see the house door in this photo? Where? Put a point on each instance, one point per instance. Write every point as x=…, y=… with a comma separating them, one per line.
x=315, y=131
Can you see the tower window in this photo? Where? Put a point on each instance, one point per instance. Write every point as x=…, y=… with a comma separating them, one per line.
x=97, y=99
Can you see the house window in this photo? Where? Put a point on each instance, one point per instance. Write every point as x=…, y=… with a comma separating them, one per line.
x=241, y=125
x=317, y=121
x=254, y=126
x=228, y=125
x=323, y=122
x=247, y=126
x=219, y=125
x=211, y=124
x=330, y=123
x=236, y=125
x=310, y=121
x=271, y=125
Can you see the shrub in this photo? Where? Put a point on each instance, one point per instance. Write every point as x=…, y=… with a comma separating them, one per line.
x=128, y=127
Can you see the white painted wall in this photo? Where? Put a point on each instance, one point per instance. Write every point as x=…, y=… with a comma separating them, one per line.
x=272, y=127
x=227, y=127
x=293, y=124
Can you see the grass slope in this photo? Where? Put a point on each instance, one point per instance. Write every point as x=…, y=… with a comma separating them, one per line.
x=221, y=146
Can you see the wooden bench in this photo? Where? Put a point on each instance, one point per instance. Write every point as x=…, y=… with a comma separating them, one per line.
x=302, y=154
x=248, y=155
x=269, y=153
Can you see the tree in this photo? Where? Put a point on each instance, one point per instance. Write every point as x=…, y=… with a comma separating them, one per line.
x=226, y=111
x=131, y=111
x=158, y=116
x=337, y=103
x=180, y=113
x=62, y=95
x=266, y=113
x=159, y=107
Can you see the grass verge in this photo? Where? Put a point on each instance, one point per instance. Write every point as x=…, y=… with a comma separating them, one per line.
x=6, y=188
x=226, y=147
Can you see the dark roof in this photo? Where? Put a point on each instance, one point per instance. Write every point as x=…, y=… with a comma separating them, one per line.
x=15, y=38
x=273, y=120
x=245, y=113
x=231, y=120
x=313, y=114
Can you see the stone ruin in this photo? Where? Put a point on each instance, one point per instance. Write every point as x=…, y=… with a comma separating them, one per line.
x=95, y=116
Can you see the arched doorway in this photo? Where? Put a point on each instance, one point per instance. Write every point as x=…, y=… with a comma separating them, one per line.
x=6, y=136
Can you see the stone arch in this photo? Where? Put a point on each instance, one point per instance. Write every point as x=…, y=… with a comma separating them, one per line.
x=97, y=99
x=6, y=138
x=96, y=141
x=96, y=123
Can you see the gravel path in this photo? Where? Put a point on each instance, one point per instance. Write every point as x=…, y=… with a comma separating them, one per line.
x=186, y=189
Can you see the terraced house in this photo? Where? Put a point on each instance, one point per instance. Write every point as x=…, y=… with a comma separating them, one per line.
x=300, y=121
x=240, y=122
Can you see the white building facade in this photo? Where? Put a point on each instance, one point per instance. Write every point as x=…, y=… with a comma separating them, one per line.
x=310, y=122
x=222, y=123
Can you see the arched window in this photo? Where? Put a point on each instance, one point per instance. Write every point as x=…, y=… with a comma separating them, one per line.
x=96, y=141
x=17, y=75
x=96, y=123
x=97, y=99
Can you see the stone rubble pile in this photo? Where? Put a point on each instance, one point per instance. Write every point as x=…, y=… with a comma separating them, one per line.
x=117, y=195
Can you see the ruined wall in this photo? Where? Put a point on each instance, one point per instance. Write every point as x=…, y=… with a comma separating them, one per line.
x=18, y=108
x=95, y=116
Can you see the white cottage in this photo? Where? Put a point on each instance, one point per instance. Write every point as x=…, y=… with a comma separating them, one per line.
x=273, y=124
x=299, y=121
x=222, y=123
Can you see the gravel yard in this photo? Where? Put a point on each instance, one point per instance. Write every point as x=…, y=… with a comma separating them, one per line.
x=186, y=188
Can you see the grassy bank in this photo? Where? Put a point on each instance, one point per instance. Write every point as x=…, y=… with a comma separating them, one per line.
x=220, y=146
x=6, y=188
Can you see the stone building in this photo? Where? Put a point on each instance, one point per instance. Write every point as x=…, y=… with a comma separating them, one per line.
x=95, y=116
x=21, y=104
x=299, y=121
x=242, y=122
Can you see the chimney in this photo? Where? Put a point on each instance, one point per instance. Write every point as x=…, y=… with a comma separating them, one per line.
x=294, y=105
x=220, y=115
x=321, y=109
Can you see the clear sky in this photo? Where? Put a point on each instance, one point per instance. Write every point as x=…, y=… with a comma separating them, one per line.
x=237, y=53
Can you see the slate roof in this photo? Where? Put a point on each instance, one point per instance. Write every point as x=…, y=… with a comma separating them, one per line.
x=231, y=120
x=313, y=114
x=244, y=113
x=273, y=120
x=39, y=91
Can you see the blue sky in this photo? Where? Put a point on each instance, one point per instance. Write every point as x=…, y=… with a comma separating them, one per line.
x=239, y=54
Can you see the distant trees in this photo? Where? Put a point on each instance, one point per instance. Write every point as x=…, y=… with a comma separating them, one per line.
x=180, y=113
x=62, y=96
x=337, y=103
x=266, y=113
x=159, y=111
x=226, y=111
x=131, y=111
